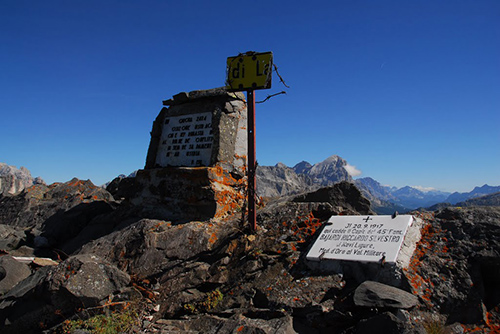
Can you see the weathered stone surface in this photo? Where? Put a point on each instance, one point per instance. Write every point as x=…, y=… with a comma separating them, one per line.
x=198, y=94
x=196, y=162
x=374, y=294
x=392, y=274
x=54, y=292
x=251, y=322
x=13, y=272
x=11, y=237
x=87, y=278
x=228, y=130
x=43, y=216
x=38, y=203
x=383, y=323
x=148, y=246
x=210, y=275
x=343, y=194
x=183, y=194
x=13, y=180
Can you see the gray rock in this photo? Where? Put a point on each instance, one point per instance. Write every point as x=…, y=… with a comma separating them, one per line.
x=23, y=251
x=14, y=180
x=15, y=272
x=51, y=216
x=11, y=237
x=343, y=194
x=87, y=278
x=25, y=287
x=250, y=322
x=55, y=293
x=158, y=243
x=374, y=294
x=386, y=323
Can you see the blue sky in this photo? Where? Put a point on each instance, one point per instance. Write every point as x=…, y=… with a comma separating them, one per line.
x=406, y=91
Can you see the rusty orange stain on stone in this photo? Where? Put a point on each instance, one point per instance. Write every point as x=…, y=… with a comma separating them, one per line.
x=213, y=238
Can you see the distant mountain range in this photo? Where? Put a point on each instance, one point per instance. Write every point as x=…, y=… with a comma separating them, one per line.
x=280, y=180
x=455, y=198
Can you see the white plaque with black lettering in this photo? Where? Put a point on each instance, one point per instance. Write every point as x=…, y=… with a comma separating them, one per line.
x=186, y=141
x=361, y=238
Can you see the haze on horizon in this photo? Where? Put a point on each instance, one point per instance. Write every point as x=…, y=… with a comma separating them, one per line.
x=407, y=92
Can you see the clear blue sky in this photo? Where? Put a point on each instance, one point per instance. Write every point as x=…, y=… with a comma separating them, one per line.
x=406, y=91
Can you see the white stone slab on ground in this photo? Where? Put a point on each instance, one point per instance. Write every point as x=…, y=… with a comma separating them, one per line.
x=361, y=238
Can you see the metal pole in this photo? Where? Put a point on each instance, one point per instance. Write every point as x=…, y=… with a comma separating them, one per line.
x=252, y=217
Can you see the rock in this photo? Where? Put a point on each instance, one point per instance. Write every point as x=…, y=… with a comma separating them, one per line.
x=90, y=280
x=23, y=251
x=250, y=322
x=13, y=180
x=215, y=276
x=374, y=294
x=343, y=194
x=14, y=272
x=147, y=247
x=56, y=292
x=50, y=216
x=383, y=323
x=42, y=262
x=11, y=237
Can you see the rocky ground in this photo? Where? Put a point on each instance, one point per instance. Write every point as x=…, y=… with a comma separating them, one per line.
x=72, y=253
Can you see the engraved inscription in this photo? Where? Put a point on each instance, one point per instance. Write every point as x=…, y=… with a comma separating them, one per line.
x=186, y=141
x=361, y=238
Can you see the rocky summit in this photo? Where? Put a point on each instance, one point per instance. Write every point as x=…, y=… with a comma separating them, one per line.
x=14, y=180
x=75, y=259
x=174, y=249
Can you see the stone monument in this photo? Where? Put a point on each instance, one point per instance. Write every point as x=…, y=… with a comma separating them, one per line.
x=366, y=247
x=197, y=157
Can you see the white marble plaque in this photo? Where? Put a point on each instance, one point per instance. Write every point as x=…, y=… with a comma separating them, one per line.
x=361, y=238
x=186, y=141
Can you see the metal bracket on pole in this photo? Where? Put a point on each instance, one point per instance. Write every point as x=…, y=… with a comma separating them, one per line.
x=252, y=216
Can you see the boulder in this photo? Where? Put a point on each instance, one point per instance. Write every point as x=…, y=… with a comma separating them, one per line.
x=149, y=246
x=53, y=293
x=250, y=322
x=386, y=323
x=11, y=237
x=49, y=216
x=342, y=194
x=374, y=294
x=11, y=273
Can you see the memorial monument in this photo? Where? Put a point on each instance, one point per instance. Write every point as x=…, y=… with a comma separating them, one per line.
x=366, y=247
x=197, y=157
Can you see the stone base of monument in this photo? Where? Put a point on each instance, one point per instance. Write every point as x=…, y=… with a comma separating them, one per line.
x=369, y=251
x=189, y=193
x=196, y=164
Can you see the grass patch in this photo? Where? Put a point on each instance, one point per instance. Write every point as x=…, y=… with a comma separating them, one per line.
x=118, y=321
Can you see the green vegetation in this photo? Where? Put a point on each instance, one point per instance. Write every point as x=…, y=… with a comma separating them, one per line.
x=211, y=300
x=121, y=321
x=433, y=326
